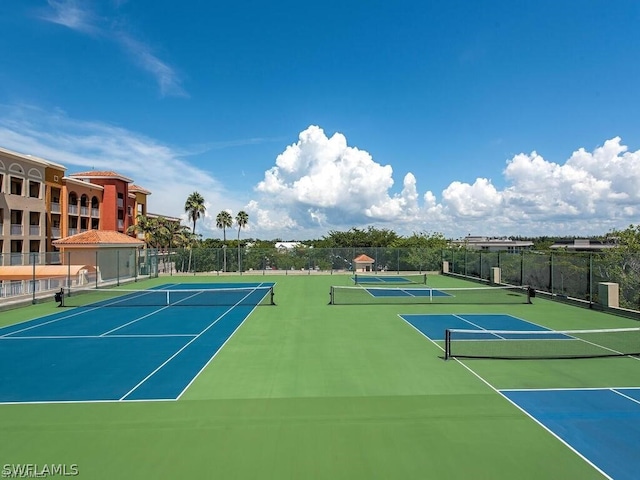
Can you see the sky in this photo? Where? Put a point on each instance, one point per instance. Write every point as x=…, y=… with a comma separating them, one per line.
x=493, y=118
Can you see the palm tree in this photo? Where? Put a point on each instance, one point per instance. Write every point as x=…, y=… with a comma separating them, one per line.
x=194, y=206
x=242, y=218
x=224, y=220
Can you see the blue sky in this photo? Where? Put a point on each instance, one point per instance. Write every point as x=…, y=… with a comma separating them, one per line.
x=491, y=118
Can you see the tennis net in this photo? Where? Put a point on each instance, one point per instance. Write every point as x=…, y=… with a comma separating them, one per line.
x=252, y=296
x=351, y=295
x=541, y=344
x=373, y=279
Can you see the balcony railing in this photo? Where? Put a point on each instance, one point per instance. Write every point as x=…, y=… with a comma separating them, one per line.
x=15, y=259
x=120, y=224
x=55, y=232
x=16, y=229
x=120, y=202
x=73, y=209
x=95, y=212
x=55, y=207
x=84, y=211
x=73, y=231
x=34, y=229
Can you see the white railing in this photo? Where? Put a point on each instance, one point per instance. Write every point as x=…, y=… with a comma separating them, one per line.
x=55, y=207
x=16, y=229
x=95, y=212
x=55, y=232
x=73, y=209
x=120, y=223
x=73, y=231
x=120, y=202
x=84, y=211
x=34, y=229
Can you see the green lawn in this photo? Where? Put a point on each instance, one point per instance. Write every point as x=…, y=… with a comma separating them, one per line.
x=310, y=390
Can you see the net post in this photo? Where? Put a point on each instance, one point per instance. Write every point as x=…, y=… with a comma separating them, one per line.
x=272, y=294
x=447, y=344
x=168, y=299
x=331, y=296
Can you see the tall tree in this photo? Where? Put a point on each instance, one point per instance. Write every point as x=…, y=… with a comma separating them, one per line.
x=195, y=208
x=224, y=220
x=242, y=218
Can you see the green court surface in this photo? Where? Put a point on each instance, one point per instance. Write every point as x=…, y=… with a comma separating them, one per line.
x=307, y=390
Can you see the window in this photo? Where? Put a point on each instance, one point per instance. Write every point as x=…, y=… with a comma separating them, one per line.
x=34, y=246
x=34, y=189
x=16, y=186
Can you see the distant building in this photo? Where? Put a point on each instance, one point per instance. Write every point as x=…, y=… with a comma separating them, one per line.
x=287, y=245
x=493, y=244
x=582, y=245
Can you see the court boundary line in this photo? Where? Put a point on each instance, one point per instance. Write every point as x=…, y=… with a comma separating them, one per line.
x=64, y=317
x=131, y=335
x=486, y=382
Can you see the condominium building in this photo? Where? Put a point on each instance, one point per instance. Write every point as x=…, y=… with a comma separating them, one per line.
x=40, y=204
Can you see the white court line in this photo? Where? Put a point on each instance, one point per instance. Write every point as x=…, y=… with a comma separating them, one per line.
x=68, y=337
x=625, y=396
x=46, y=323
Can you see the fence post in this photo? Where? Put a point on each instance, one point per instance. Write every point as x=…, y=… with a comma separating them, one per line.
x=33, y=280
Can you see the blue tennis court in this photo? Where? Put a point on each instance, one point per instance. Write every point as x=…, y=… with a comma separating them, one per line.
x=600, y=424
x=407, y=292
x=137, y=351
x=388, y=279
x=433, y=326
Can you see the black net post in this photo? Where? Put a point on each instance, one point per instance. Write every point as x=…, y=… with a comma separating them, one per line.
x=447, y=344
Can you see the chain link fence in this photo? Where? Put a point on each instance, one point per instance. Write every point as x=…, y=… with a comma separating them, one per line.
x=560, y=274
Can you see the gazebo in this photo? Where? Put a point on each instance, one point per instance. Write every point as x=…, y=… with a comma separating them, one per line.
x=363, y=263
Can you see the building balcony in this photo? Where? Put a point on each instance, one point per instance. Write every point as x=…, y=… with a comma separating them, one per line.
x=55, y=207
x=16, y=229
x=120, y=224
x=120, y=203
x=73, y=231
x=73, y=209
x=95, y=212
x=55, y=232
x=34, y=229
x=15, y=259
x=84, y=211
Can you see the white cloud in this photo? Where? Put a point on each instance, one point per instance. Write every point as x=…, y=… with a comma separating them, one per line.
x=79, y=16
x=320, y=183
x=324, y=182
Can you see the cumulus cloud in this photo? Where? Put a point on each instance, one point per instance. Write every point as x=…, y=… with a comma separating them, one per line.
x=322, y=181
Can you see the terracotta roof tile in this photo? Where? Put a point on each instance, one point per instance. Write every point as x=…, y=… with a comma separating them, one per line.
x=363, y=259
x=98, y=237
x=138, y=188
x=101, y=174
